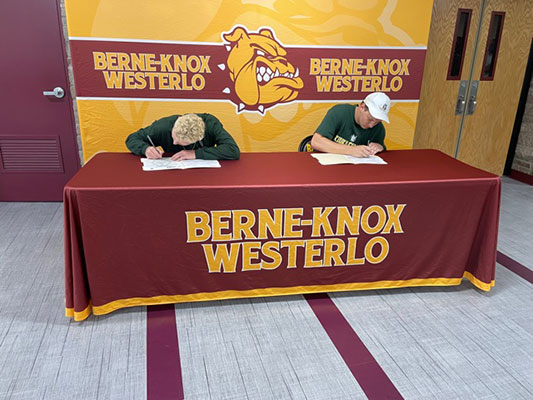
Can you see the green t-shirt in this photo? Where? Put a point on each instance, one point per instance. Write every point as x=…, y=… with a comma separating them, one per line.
x=339, y=125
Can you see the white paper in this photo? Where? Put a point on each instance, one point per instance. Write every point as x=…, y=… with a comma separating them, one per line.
x=167, y=163
x=333, y=159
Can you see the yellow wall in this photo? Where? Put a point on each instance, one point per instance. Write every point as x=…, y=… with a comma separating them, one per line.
x=298, y=24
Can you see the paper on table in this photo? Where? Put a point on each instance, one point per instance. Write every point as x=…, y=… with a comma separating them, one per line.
x=167, y=163
x=332, y=159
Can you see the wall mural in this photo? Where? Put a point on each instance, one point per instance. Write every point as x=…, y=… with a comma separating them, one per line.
x=269, y=70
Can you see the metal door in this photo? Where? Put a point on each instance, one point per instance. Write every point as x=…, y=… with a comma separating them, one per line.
x=38, y=150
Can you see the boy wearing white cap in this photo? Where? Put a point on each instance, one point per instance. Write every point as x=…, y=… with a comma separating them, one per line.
x=354, y=130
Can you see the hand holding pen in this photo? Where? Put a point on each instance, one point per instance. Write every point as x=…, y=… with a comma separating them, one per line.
x=374, y=147
x=152, y=152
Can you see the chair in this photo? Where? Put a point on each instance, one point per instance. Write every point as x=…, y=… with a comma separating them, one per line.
x=305, y=145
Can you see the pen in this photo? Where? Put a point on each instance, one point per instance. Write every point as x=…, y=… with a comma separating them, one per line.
x=152, y=143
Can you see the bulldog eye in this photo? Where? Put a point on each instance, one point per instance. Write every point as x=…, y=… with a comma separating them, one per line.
x=260, y=53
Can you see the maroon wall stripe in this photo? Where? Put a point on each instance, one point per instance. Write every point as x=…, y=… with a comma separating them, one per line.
x=162, y=354
x=365, y=369
x=515, y=267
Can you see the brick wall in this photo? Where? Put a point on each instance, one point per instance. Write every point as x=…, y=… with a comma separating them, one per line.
x=523, y=158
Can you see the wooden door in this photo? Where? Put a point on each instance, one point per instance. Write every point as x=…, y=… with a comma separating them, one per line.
x=38, y=150
x=477, y=131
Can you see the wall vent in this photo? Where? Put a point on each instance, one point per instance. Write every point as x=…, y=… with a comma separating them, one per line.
x=30, y=154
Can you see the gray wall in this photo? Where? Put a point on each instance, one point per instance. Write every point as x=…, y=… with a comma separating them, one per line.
x=523, y=158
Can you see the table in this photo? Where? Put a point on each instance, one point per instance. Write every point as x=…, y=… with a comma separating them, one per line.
x=274, y=224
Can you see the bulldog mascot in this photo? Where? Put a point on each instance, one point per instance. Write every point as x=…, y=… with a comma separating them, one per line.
x=260, y=70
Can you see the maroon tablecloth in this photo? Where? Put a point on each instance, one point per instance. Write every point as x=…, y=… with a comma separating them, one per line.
x=271, y=224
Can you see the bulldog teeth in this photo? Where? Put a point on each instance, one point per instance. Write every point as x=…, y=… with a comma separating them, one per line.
x=276, y=74
x=259, y=78
x=297, y=73
x=266, y=77
x=262, y=70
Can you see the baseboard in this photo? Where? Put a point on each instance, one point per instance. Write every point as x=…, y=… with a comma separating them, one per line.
x=521, y=176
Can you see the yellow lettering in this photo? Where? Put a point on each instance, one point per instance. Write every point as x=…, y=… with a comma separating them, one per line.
x=267, y=223
x=365, y=224
x=292, y=246
x=243, y=221
x=394, y=218
x=351, y=221
x=137, y=62
x=352, y=249
x=198, y=229
x=165, y=63
x=111, y=60
x=314, y=67
x=198, y=82
x=221, y=258
x=333, y=249
x=384, y=245
x=321, y=221
x=99, y=60
x=123, y=61
x=113, y=80
x=323, y=83
x=291, y=221
x=218, y=224
x=311, y=251
x=129, y=80
x=271, y=250
x=249, y=253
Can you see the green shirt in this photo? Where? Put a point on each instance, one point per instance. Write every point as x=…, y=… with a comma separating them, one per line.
x=217, y=143
x=339, y=125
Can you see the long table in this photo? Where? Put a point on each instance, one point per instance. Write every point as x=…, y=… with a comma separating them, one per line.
x=274, y=224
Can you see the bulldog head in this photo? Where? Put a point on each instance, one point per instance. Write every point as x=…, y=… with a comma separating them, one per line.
x=260, y=70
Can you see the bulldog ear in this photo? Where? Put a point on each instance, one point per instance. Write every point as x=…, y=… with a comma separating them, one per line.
x=267, y=33
x=237, y=34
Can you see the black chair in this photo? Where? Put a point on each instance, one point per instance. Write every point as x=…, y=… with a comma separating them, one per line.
x=305, y=145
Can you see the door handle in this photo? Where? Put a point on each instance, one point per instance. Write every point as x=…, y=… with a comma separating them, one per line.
x=461, y=99
x=472, y=98
x=472, y=103
x=57, y=92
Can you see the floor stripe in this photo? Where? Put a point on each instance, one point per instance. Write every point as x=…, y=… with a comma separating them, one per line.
x=162, y=354
x=365, y=369
x=515, y=267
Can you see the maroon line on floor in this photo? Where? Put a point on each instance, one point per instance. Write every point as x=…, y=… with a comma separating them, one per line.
x=163, y=367
x=515, y=267
x=364, y=367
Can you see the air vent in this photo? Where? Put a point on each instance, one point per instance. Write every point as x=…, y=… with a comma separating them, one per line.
x=30, y=154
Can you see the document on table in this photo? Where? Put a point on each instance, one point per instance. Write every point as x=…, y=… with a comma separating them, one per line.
x=167, y=163
x=333, y=159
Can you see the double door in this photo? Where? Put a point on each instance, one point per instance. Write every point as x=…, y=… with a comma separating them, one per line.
x=474, y=70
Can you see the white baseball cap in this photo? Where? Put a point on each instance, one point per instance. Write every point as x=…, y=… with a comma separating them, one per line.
x=378, y=105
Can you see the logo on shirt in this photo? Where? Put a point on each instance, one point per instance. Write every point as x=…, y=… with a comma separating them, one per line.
x=341, y=140
x=259, y=68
